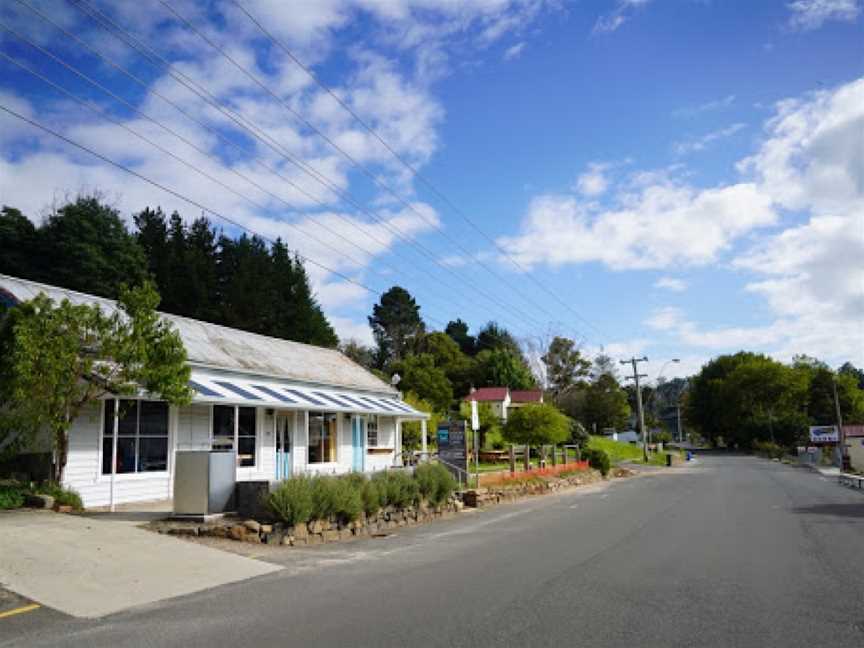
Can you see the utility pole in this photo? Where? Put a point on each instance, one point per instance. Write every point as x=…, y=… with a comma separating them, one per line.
x=636, y=376
x=840, y=435
x=678, y=415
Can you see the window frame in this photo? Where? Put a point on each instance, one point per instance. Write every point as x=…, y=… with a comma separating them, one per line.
x=336, y=428
x=235, y=439
x=102, y=436
x=372, y=421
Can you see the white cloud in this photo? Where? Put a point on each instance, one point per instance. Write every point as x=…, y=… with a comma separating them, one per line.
x=671, y=283
x=708, y=106
x=812, y=14
x=650, y=227
x=593, y=182
x=694, y=144
x=623, y=12
x=514, y=51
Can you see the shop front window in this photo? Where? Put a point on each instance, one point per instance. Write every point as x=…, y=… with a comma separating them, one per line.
x=322, y=437
x=235, y=428
x=142, y=436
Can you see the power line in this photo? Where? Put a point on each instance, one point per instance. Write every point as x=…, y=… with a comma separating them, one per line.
x=103, y=114
x=414, y=171
x=375, y=180
x=100, y=18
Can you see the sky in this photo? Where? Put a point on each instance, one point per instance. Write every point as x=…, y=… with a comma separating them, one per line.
x=669, y=178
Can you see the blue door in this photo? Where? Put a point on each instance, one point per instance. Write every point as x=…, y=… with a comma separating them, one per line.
x=358, y=442
x=283, y=446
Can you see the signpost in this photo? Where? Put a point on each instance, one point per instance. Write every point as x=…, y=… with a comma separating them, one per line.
x=452, y=447
x=824, y=434
x=475, y=425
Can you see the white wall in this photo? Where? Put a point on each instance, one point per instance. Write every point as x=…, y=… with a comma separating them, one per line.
x=84, y=467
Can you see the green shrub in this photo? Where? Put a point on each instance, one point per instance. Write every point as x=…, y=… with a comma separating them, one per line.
x=397, y=489
x=598, y=459
x=291, y=502
x=434, y=482
x=768, y=449
x=62, y=496
x=371, y=497
x=337, y=498
x=11, y=496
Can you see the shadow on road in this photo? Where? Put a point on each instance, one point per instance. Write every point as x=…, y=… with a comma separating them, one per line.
x=836, y=510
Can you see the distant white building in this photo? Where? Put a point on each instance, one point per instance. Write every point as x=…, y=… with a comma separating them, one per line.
x=284, y=407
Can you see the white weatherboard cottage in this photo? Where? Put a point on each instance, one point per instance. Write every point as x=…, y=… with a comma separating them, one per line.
x=286, y=408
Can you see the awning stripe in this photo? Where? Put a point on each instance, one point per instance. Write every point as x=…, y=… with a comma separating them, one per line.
x=352, y=400
x=399, y=405
x=237, y=390
x=303, y=396
x=332, y=399
x=201, y=389
x=275, y=394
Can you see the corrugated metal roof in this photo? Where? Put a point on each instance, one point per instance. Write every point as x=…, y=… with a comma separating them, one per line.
x=220, y=347
x=526, y=396
x=485, y=394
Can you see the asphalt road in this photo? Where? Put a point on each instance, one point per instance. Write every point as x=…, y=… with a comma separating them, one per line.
x=734, y=551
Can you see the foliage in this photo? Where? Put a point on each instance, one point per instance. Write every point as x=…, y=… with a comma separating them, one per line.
x=12, y=496
x=618, y=451
x=578, y=434
x=291, y=501
x=420, y=376
x=435, y=482
x=371, y=497
x=536, y=424
x=768, y=449
x=62, y=496
x=396, y=325
x=362, y=355
x=60, y=357
x=447, y=356
x=502, y=367
x=598, y=459
x=661, y=437
x=411, y=429
x=565, y=365
x=457, y=330
x=493, y=337
x=397, y=489
x=600, y=404
x=490, y=424
x=243, y=282
x=336, y=497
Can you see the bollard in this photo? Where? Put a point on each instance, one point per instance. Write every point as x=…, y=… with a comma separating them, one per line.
x=512, y=459
x=527, y=457
x=668, y=459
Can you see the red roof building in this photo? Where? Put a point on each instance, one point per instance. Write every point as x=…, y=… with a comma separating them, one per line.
x=502, y=399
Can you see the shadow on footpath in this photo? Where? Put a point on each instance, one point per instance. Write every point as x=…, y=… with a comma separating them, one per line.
x=836, y=510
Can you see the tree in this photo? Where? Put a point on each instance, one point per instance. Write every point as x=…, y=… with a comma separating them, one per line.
x=396, y=325
x=490, y=424
x=502, y=368
x=605, y=404
x=98, y=253
x=493, y=337
x=536, y=424
x=421, y=376
x=603, y=364
x=565, y=366
x=58, y=358
x=18, y=244
x=458, y=332
x=852, y=370
x=411, y=431
x=359, y=353
x=458, y=367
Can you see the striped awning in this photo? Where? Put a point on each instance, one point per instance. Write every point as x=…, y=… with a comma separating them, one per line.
x=251, y=392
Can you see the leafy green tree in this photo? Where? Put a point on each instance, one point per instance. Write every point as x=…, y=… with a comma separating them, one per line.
x=458, y=332
x=359, y=353
x=849, y=369
x=396, y=325
x=606, y=404
x=565, y=366
x=502, y=368
x=458, y=367
x=411, y=430
x=58, y=358
x=493, y=337
x=18, y=244
x=536, y=424
x=421, y=376
x=98, y=253
x=490, y=424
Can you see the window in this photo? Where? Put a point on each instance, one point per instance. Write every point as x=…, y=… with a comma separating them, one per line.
x=372, y=431
x=322, y=437
x=246, y=436
x=142, y=436
x=234, y=427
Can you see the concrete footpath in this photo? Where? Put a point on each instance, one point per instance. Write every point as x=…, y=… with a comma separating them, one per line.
x=93, y=566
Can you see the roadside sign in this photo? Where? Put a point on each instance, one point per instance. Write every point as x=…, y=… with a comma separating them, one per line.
x=475, y=416
x=452, y=448
x=824, y=434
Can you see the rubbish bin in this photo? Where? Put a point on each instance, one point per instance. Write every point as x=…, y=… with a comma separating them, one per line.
x=669, y=459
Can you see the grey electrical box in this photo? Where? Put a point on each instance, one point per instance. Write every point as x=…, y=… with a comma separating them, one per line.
x=204, y=482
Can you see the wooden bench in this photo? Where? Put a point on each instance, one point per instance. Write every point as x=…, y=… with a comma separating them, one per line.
x=853, y=481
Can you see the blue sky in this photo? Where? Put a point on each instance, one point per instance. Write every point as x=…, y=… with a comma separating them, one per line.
x=686, y=176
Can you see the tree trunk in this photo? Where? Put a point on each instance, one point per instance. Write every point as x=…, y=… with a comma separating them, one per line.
x=61, y=447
